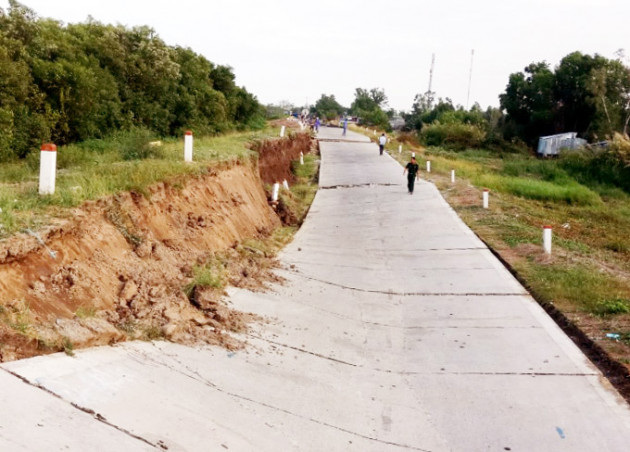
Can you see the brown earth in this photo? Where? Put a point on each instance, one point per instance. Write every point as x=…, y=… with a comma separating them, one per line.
x=122, y=267
x=274, y=155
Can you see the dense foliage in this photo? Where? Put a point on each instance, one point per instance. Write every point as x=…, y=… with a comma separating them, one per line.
x=443, y=124
x=68, y=83
x=368, y=107
x=327, y=107
x=585, y=94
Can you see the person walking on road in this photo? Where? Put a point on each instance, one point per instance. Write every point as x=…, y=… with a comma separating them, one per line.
x=412, y=168
x=317, y=122
x=345, y=126
x=382, y=140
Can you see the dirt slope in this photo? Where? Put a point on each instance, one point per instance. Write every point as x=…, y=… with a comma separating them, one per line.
x=121, y=264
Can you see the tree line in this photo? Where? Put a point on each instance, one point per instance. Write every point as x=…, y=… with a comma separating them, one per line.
x=586, y=94
x=68, y=83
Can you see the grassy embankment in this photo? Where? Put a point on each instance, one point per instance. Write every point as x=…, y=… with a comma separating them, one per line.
x=98, y=168
x=587, y=276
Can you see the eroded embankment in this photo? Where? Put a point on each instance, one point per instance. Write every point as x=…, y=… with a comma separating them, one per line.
x=121, y=265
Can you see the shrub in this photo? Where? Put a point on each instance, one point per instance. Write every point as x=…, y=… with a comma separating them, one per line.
x=609, y=167
x=135, y=144
x=456, y=135
x=613, y=307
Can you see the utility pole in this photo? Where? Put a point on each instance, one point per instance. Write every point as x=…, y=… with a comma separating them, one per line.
x=429, y=92
x=472, y=55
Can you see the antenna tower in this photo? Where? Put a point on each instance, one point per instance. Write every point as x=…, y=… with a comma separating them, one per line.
x=472, y=55
x=429, y=92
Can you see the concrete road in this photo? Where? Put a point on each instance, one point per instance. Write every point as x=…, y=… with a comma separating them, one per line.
x=396, y=329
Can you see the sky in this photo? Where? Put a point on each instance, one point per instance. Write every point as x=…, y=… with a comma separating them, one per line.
x=295, y=51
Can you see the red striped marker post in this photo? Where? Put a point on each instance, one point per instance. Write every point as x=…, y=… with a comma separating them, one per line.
x=47, y=169
x=188, y=146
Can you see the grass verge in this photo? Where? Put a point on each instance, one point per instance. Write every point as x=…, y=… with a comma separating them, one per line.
x=98, y=168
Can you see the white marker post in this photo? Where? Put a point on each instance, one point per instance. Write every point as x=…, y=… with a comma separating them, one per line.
x=285, y=184
x=428, y=166
x=399, y=148
x=301, y=158
x=452, y=176
x=282, y=131
x=274, y=193
x=47, y=169
x=486, y=195
x=188, y=146
x=547, y=239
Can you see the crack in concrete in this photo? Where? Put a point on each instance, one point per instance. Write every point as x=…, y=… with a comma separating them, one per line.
x=408, y=373
x=408, y=294
x=201, y=379
x=95, y=415
x=370, y=185
x=458, y=327
x=497, y=374
x=341, y=140
x=291, y=347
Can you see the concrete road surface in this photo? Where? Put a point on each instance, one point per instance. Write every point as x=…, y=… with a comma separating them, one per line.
x=396, y=329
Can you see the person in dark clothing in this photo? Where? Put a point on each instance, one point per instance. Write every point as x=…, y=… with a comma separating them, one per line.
x=412, y=168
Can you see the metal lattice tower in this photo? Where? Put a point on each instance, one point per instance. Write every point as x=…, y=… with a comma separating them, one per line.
x=472, y=55
x=429, y=92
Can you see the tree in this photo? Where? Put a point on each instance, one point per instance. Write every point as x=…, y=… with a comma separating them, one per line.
x=571, y=90
x=327, y=107
x=70, y=83
x=609, y=93
x=530, y=102
x=368, y=106
x=586, y=94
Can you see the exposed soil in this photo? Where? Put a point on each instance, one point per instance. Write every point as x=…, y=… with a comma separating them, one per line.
x=274, y=155
x=122, y=268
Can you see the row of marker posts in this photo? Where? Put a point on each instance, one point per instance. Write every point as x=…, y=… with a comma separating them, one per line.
x=48, y=172
x=48, y=162
x=486, y=201
x=275, y=191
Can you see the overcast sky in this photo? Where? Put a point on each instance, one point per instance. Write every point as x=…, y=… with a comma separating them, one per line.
x=297, y=50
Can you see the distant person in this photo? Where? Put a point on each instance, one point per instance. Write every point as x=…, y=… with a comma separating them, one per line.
x=317, y=123
x=412, y=167
x=345, y=126
x=382, y=141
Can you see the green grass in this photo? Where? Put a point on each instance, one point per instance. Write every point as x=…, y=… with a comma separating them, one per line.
x=98, y=168
x=212, y=274
x=68, y=346
x=570, y=192
x=585, y=287
x=84, y=312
